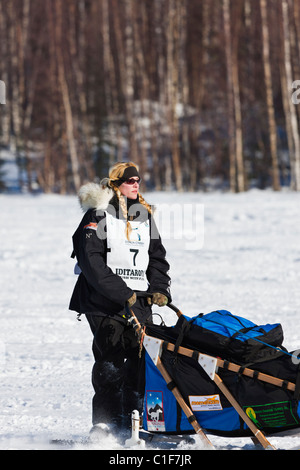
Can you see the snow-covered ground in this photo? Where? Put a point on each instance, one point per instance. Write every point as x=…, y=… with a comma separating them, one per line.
x=248, y=263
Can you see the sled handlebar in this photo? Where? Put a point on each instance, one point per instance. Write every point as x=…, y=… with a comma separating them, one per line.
x=169, y=304
x=132, y=318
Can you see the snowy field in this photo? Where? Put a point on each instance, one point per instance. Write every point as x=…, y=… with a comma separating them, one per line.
x=248, y=263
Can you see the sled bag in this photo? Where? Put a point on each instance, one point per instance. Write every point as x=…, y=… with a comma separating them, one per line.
x=225, y=335
x=232, y=338
x=162, y=413
x=271, y=408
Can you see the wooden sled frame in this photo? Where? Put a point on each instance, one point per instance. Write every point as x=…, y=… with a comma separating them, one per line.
x=210, y=365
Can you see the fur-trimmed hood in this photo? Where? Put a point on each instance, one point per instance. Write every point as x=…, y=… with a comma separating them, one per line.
x=95, y=196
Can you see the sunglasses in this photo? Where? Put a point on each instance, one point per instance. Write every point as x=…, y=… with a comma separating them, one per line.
x=132, y=181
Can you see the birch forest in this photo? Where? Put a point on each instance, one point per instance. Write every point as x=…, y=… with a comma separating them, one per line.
x=201, y=94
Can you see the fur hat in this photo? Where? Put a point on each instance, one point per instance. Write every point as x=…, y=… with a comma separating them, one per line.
x=95, y=196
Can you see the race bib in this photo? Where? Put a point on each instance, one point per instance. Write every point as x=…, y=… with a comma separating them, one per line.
x=128, y=259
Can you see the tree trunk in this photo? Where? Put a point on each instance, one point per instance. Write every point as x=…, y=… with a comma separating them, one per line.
x=269, y=94
x=230, y=100
x=144, y=85
x=237, y=106
x=295, y=165
x=107, y=79
x=156, y=62
x=172, y=72
x=126, y=69
x=4, y=53
x=285, y=97
x=85, y=144
x=129, y=81
x=66, y=98
x=15, y=101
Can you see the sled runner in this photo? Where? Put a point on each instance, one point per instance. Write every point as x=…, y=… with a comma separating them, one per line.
x=218, y=374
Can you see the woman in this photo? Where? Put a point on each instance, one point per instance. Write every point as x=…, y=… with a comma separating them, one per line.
x=119, y=252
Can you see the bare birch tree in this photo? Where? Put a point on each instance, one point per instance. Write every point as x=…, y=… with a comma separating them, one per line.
x=16, y=96
x=65, y=94
x=241, y=186
x=295, y=161
x=173, y=90
x=230, y=98
x=125, y=51
x=269, y=94
x=77, y=44
x=4, y=110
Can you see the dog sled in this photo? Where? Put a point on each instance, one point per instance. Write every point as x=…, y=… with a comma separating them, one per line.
x=218, y=374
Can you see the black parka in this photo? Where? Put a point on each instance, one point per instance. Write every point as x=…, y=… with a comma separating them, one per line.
x=98, y=289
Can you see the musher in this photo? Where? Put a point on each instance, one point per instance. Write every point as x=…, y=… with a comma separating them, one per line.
x=119, y=252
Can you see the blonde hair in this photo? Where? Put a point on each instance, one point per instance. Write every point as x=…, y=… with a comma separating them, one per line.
x=115, y=173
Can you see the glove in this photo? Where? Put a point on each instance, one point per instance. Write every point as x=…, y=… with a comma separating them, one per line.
x=159, y=299
x=131, y=301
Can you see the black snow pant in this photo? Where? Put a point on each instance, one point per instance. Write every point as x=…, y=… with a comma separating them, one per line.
x=118, y=372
